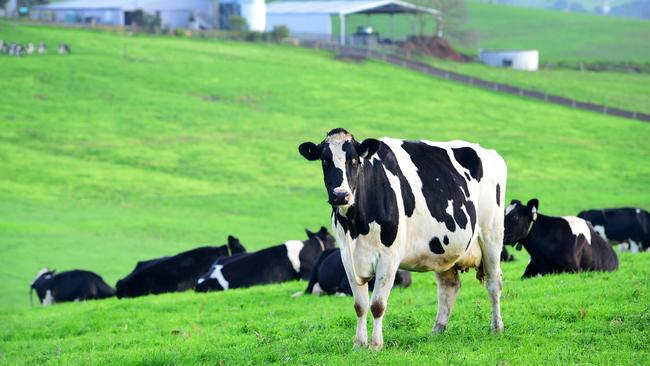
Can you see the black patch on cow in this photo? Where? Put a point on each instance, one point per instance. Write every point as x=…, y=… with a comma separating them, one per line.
x=469, y=159
x=498, y=195
x=467, y=176
x=390, y=162
x=375, y=202
x=435, y=246
x=445, y=240
x=441, y=183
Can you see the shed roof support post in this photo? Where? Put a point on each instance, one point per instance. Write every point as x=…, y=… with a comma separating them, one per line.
x=392, y=27
x=342, y=29
x=439, y=23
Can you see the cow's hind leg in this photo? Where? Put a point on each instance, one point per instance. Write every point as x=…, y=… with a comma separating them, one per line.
x=448, y=286
x=384, y=279
x=491, y=244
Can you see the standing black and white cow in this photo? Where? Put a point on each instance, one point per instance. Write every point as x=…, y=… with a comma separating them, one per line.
x=556, y=244
x=627, y=226
x=75, y=285
x=285, y=262
x=418, y=205
x=328, y=276
x=175, y=273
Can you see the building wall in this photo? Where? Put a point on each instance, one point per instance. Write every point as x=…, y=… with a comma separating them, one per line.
x=317, y=26
x=520, y=60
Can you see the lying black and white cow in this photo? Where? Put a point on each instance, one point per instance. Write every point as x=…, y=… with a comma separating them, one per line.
x=75, y=285
x=64, y=49
x=175, y=273
x=556, y=244
x=328, y=276
x=285, y=262
x=418, y=205
x=627, y=226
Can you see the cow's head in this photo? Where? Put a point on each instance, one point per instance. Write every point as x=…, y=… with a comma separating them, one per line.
x=40, y=283
x=341, y=156
x=312, y=247
x=235, y=245
x=519, y=220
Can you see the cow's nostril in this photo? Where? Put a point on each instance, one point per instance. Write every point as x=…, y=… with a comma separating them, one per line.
x=340, y=194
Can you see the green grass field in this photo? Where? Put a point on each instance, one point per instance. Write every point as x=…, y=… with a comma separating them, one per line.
x=621, y=90
x=107, y=159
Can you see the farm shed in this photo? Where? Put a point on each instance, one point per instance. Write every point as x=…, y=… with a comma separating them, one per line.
x=515, y=59
x=173, y=14
x=314, y=19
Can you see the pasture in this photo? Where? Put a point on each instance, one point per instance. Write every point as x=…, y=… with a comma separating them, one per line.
x=137, y=147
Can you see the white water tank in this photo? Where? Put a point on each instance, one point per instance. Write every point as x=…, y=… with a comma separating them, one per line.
x=255, y=13
x=515, y=59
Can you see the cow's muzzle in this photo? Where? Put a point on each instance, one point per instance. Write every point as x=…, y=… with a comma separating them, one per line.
x=339, y=198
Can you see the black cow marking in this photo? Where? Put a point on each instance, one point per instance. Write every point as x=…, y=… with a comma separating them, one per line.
x=435, y=246
x=390, y=162
x=441, y=183
x=445, y=240
x=469, y=159
x=498, y=195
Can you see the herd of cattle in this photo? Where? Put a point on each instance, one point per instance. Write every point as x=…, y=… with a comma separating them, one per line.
x=18, y=49
x=397, y=206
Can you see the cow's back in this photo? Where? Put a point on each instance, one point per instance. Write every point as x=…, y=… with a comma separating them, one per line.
x=598, y=255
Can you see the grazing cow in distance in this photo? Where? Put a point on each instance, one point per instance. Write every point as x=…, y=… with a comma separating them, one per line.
x=64, y=49
x=292, y=260
x=416, y=205
x=4, y=48
x=42, y=48
x=556, y=244
x=328, y=276
x=175, y=273
x=628, y=226
x=30, y=48
x=75, y=285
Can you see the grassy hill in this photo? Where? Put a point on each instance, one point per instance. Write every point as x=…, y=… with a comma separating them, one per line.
x=137, y=147
x=561, y=36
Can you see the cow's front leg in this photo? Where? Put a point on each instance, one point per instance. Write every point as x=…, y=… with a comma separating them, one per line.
x=448, y=286
x=384, y=279
x=360, y=293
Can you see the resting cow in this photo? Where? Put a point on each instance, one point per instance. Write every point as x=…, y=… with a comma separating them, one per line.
x=418, y=205
x=556, y=244
x=173, y=274
x=75, y=285
x=328, y=276
x=627, y=226
x=285, y=262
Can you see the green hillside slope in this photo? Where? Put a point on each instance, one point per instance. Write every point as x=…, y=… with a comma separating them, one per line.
x=137, y=147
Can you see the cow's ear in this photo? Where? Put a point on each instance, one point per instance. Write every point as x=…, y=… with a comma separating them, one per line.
x=309, y=233
x=232, y=240
x=514, y=202
x=533, y=205
x=310, y=150
x=323, y=231
x=367, y=148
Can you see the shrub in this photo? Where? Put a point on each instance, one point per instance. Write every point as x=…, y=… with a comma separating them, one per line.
x=237, y=23
x=279, y=33
x=179, y=32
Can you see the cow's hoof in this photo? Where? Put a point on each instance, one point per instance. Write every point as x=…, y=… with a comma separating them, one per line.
x=376, y=346
x=359, y=344
x=439, y=329
x=497, y=327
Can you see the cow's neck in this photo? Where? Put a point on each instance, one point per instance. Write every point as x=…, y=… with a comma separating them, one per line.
x=534, y=243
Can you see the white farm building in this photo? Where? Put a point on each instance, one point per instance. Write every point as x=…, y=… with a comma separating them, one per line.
x=329, y=19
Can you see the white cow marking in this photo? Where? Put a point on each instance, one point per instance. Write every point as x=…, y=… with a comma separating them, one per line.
x=316, y=290
x=638, y=211
x=293, y=252
x=40, y=273
x=218, y=275
x=49, y=299
x=510, y=208
x=601, y=231
x=578, y=226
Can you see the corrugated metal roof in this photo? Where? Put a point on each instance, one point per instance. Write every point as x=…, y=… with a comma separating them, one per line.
x=121, y=4
x=340, y=7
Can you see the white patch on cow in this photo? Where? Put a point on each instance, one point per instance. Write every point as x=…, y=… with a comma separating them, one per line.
x=634, y=247
x=218, y=275
x=200, y=281
x=510, y=208
x=48, y=299
x=578, y=226
x=600, y=229
x=317, y=290
x=40, y=273
x=293, y=253
x=638, y=211
x=336, y=142
x=340, y=294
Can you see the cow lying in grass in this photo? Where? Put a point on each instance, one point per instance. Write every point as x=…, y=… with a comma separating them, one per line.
x=630, y=227
x=75, y=285
x=556, y=244
x=285, y=262
x=175, y=273
x=328, y=276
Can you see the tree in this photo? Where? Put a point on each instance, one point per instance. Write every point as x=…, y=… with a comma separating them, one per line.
x=454, y=20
